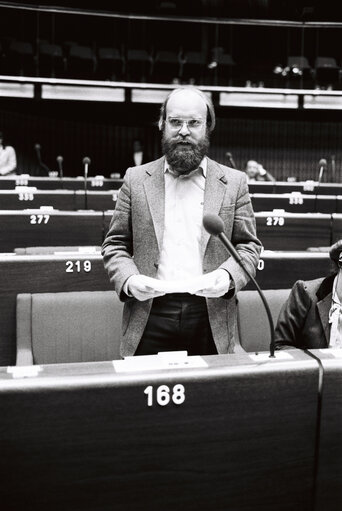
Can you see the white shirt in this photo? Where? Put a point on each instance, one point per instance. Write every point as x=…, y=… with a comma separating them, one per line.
x=8, y=160
x=335, y=318
x=180, y=256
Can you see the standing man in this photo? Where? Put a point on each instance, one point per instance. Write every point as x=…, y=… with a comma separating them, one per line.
x=178, y=283
x=8, y=160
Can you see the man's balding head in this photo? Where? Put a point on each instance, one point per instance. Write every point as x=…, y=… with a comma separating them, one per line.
x=188, y=101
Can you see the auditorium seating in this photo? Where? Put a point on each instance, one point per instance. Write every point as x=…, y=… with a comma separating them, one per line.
x=56, y=183
x=54, y=328
x=295, y=202
x=254, y=330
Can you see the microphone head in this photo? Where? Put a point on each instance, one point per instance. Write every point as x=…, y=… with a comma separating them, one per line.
x=37, y=147
x=213, y=224
x=59, y=159
x=323, y=163
x=86, y=160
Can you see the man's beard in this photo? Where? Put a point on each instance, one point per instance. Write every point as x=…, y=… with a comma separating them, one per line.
x=184, y=156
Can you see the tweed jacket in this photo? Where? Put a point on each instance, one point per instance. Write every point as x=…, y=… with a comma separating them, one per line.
x=134, y=240
x=304, y=319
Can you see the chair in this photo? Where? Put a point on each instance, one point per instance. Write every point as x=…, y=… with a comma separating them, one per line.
x=68, y=327
x=81, y=62
x=51, y=60
x=139, y=66
x=110, y=64
x=194, y=66
x=167, y=66
x=220, y=67
x=326, y=71
x=21, y=58
x=253, y=326
x=300, y=63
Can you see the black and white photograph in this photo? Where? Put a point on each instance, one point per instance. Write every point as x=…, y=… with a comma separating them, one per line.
x=171, y=255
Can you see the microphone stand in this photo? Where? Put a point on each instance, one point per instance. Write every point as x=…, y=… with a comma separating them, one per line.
x=86, y=163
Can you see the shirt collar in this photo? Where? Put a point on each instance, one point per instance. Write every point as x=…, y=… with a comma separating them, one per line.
x=203, y=166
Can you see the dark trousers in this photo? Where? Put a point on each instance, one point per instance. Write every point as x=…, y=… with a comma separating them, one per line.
x=178, y=322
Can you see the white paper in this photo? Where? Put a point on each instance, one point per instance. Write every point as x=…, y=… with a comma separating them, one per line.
x=157, y=363
x=24, y=371
x=265, y=356
x=335, y=352
x=192, y=285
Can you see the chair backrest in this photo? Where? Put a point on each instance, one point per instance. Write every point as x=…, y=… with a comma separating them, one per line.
x=326, y=62
x=299, y=61
x=252, y=319
x=68, y=327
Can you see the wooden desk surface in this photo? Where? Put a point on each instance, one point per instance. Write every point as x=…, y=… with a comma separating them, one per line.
x=243, y=439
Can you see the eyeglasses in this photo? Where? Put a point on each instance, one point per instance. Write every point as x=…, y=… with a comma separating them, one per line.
x=191, y=124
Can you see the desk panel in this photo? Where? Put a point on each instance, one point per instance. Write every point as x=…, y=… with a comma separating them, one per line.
x=293, y=203
x=49, y=228
x=98, y=201
x=290, y=231
x=329, y=476
x=243, y=439
x=55, y=183
x=41, y=274
x=280, y=270
x=58, y=199
x=336, y=227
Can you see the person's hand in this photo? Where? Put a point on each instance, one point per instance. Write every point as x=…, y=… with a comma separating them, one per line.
x=216, y=284
x=141, y=288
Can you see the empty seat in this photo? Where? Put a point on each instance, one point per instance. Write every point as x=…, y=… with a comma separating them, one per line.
x=81, y=62
x=254, y=332
x=110, y=64
x=194, y=66
x=139, y=65
x=20, y=58
x=51, y=60
x=167, y=66
x=326, y=71
x=68, y=327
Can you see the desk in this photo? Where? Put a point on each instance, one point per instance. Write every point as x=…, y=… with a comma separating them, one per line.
x=329, y=475
x=42, y=274
x=303, y=203
x=299, y=186
x=290, y=231
x=55, y=183
x=59, y=199
x=97, y=200
x=243, y=439
x=49, y=228
x=280, y=270
x=336, y=227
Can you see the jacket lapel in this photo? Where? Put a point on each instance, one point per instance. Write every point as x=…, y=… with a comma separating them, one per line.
x=155, y=193
x=215, y=188
x=323, y=307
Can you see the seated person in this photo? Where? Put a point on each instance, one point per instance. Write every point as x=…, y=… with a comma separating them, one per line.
x=256, y=172
x=312, y=315
x=8, y=160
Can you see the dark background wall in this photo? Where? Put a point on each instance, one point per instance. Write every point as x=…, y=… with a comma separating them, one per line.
x=287, y=143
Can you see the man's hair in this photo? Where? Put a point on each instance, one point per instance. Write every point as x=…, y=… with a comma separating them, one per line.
x=211, y=119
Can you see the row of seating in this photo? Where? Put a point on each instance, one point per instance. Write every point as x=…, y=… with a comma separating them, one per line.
x=216, y=66
x=74, y=60
x=101, y=200
x=81, y=271
x=47, y=227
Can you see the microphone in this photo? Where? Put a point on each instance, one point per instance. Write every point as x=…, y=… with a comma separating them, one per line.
x=214, y=225
x=86, y=162
x=60, y=165
x=37, y=148
x=230, y=159
x=322, y=166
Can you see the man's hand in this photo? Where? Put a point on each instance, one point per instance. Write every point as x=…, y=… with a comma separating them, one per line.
x=217, y=284
x=139, y=286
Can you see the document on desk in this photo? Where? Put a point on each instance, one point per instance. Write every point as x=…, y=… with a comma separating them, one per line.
x=167, y=360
